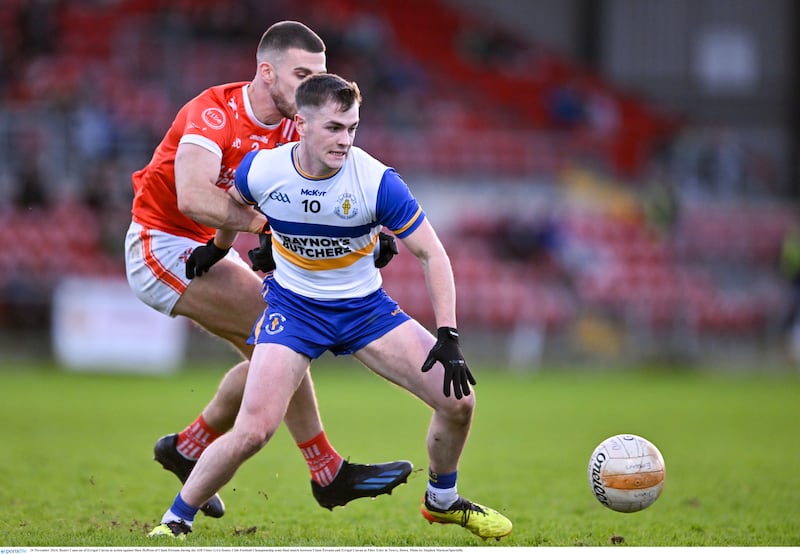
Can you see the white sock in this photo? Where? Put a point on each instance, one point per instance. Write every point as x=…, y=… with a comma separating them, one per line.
x=169, y=515
x=441, y=498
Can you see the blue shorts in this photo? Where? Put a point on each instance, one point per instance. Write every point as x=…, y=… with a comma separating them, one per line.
x=311, y=326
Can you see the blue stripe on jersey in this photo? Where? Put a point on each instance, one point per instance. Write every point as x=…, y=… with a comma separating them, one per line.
x=316, y=230
x=396, y=207
x=240, y=178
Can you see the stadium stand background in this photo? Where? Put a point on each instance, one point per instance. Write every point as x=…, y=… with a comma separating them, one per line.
x=613, y=178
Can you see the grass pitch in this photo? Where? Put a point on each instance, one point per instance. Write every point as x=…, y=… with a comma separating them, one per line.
x=77, y=469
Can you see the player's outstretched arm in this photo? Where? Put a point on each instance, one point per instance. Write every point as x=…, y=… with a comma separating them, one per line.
x=425, y=245
x=199, y=197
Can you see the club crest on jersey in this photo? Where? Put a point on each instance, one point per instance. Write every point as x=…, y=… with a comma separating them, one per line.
x=274, y=324
x=346, y=206
x=214, y=118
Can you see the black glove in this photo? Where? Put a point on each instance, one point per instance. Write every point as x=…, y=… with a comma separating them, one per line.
x=261, y=257
x=387, y=248
x=447, y=351
x=203, y=257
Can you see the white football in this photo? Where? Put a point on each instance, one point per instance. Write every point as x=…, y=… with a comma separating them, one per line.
x=626, y=473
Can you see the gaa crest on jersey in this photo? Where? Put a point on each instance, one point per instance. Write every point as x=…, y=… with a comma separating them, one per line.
x=274, y=323
x=346, y=206
x=214, y=118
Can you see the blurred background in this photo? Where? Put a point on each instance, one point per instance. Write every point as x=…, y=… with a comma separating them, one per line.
x=616, y=181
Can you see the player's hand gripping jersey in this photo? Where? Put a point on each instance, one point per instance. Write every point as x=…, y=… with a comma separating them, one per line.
x=220, y=120
x=324, y=229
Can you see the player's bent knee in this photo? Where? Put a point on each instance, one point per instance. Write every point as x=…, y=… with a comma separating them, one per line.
x=458, y=410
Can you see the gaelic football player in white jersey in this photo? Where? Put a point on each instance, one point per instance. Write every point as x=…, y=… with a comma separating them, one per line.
x=326, y=201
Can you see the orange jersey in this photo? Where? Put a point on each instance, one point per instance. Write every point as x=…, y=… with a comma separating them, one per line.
x=219, y=119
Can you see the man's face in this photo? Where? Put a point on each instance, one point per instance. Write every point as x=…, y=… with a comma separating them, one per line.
x=327, y=135
x=294, y=66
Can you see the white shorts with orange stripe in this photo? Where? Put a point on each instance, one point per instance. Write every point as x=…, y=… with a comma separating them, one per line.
x=155, y=263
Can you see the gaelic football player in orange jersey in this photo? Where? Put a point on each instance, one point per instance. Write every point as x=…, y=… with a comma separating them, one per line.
x=180, y=199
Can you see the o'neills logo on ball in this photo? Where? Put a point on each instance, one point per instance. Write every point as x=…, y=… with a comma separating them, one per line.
x=597, y=483
x=214, y=118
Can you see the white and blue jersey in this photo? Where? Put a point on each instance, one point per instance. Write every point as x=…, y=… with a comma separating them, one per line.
x=324, y=230
x=325, y=292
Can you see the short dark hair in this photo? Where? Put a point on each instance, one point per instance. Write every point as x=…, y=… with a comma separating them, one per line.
x=284, y=35
x=317, y=90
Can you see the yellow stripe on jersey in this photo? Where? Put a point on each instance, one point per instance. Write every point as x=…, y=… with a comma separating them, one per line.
x=410, y=223
x=323, y=264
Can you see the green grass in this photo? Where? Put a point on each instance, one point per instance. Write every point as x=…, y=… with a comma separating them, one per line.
x=77, y=469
